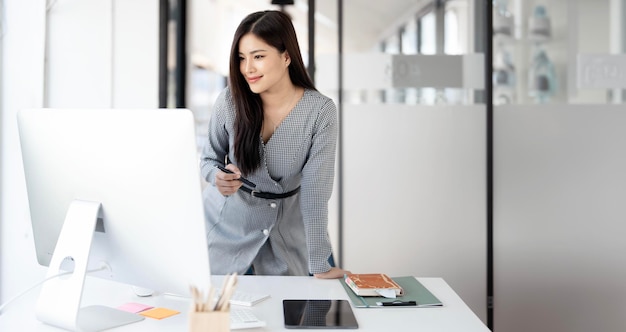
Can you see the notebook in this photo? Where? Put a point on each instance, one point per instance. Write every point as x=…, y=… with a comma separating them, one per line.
x=414, y=291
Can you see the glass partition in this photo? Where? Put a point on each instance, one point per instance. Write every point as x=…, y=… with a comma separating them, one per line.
x=412, y=151
x=559, y=79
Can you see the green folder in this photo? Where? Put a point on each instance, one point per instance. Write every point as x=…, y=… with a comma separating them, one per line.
x=413, y=291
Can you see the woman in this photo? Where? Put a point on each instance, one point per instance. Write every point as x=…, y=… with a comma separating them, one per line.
x=274, y=128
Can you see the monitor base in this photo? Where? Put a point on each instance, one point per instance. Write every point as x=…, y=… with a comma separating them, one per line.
x=99, y=318
x=60, y=298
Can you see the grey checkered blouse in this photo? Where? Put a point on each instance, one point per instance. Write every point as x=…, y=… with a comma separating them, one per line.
x=283, y=236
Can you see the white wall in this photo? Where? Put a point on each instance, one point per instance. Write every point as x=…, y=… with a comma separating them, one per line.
x=101, y=54
x=22, y=87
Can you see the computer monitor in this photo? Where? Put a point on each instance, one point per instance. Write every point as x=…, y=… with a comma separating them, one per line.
x=114, y=188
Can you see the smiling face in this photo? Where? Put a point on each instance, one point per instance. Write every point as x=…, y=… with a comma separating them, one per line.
x=263, y=66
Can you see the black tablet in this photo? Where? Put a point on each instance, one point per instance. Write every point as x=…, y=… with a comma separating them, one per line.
x=319, y=314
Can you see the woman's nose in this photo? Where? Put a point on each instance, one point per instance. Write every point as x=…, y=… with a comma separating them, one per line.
x=248, y=67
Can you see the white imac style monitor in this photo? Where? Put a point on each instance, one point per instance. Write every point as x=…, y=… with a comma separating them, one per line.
x=115, y=190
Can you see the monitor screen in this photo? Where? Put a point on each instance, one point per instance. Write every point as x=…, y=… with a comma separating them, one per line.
x=141, y=168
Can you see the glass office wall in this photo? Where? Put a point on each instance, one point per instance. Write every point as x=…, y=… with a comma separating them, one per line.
x=412, y=152
x=559, y=262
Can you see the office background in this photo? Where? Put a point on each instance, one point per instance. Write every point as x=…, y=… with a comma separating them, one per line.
x=415, y=199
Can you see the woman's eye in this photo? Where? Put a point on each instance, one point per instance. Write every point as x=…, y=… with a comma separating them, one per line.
x=258, y=57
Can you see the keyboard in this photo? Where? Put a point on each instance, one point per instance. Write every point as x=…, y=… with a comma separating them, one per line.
x=244, y=318
x=246, y=298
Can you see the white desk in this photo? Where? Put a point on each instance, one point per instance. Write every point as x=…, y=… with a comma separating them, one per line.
x=454, y=316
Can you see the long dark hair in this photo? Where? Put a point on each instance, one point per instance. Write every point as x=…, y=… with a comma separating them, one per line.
x=276, y=29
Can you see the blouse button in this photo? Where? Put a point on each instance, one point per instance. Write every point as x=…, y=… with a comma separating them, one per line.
x=273, y=205
x=266, y=232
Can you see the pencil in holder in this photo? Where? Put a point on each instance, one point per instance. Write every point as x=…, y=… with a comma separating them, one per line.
x=214, y=321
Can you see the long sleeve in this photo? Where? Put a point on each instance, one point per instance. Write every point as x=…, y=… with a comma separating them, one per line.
x=217, y=144
x=317, y=184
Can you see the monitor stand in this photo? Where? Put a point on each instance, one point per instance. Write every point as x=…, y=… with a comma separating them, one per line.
x=59, y=301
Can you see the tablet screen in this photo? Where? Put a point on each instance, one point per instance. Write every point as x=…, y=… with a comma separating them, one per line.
x=318, y=314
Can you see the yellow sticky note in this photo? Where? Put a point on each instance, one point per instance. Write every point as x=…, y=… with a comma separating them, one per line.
x=159, y=313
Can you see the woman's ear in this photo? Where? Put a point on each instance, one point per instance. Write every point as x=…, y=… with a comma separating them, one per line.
x=287, y=59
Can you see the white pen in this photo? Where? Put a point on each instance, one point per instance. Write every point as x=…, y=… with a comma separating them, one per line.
x=226, y=292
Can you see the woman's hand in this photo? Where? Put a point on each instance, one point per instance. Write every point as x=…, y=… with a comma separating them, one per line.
x=228, y=183
x=333, y=273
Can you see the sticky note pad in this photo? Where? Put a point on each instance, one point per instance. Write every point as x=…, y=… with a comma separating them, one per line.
x=134, y=307
x=159, y=313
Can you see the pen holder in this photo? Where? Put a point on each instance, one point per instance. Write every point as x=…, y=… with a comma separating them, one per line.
x=214, y=321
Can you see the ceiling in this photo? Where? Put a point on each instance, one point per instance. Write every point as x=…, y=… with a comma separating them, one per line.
x=365, y=22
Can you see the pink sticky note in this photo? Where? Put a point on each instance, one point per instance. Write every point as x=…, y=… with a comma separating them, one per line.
x=134, y=307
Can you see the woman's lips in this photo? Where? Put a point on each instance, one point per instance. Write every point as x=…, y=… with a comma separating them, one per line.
x=253, y=79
